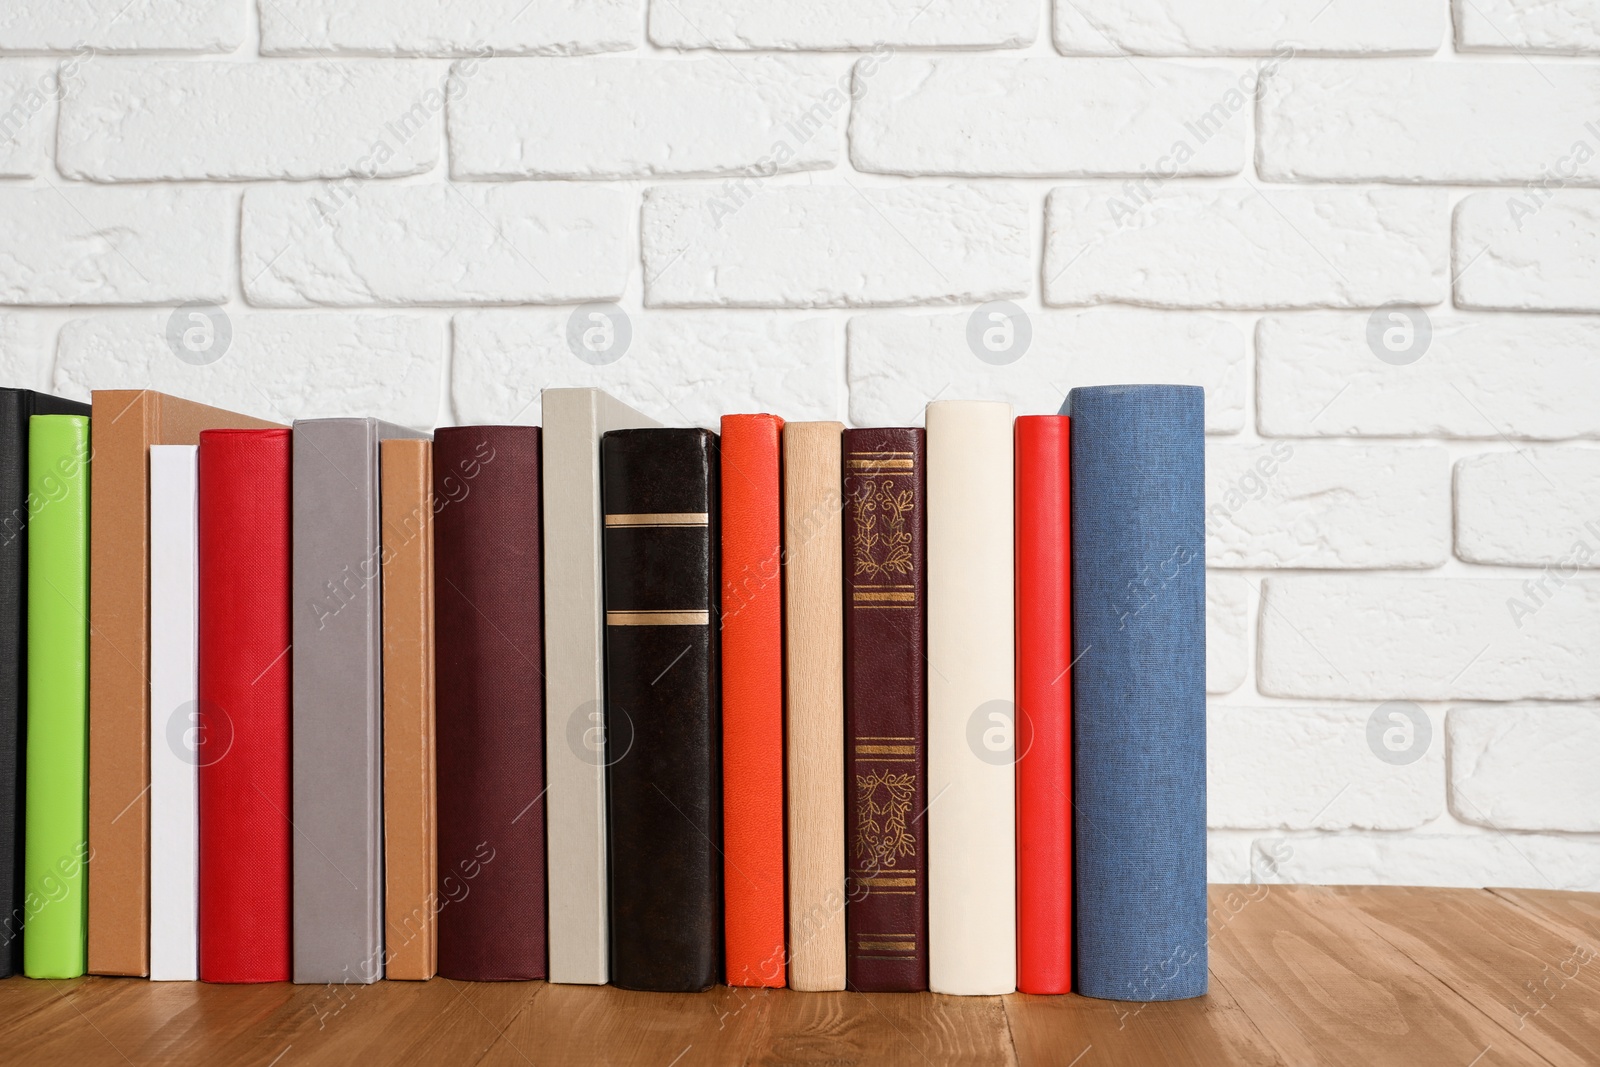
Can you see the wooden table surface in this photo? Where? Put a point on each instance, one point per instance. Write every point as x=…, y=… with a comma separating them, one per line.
x=1299, y=975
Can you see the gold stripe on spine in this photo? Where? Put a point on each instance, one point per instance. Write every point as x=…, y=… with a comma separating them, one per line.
x=898, y=598
x=658, y=618
x=661, y=518
x=886, y=750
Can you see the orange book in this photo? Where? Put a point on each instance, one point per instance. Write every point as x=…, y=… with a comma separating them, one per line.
x=752, y=701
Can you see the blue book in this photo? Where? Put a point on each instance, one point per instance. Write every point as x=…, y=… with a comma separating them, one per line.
x=1139, y=690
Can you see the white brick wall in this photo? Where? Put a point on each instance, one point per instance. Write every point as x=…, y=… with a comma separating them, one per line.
x=1374, y=243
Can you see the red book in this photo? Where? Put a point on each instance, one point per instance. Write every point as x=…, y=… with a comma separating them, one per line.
x=1044, y=706
x=752, y=702
x=244, y=679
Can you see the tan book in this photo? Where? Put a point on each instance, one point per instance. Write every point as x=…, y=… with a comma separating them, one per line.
x=813, y=575
x=410, y=843
x=126, y=423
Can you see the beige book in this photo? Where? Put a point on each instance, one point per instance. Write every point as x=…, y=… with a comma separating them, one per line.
x=813, y=574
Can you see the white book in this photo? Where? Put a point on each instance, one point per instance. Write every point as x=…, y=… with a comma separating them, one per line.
x=972, y=860
x=174, y=718
x=574, y=639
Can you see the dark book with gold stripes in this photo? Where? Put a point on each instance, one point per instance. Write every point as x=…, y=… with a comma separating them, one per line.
x=659, y=488
x=886, y=710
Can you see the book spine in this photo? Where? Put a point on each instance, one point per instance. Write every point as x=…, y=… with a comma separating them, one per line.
x=813, y=585
x=1138, y=700
x=174, y=715
x=663, y=701
x=337, y=736
x=13, y=674
x=490, y=724
x=886, y=709
x=56, y=832
x=245, y=677
x=409, y=819
x=752, y=700
x=1044, y=705
x=972, y=918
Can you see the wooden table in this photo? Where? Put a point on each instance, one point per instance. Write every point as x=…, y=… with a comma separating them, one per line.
x=1299, y=975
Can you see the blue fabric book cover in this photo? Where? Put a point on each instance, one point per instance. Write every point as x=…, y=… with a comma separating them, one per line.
x=1139, y=690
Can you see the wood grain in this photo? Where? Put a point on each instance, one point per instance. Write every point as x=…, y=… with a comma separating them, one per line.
x=884, y=1030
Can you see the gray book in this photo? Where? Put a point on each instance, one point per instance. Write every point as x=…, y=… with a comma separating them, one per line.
x=575, y=743
x=338, y=685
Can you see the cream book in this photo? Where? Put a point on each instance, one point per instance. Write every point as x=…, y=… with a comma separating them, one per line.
x=972, y=884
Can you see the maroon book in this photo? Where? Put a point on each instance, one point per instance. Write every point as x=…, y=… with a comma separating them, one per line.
x=886, y=711
x=489, y=743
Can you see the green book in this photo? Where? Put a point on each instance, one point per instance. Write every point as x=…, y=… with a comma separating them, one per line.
x=56, y=834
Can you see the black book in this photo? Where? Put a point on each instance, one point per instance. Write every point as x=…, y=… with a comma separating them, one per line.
x=663, y=708
x=16, y=407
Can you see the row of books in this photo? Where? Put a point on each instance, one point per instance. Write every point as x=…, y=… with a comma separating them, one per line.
x=887, y=709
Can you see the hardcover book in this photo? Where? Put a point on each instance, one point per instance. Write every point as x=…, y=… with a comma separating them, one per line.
x=175, y=718
x=128, y=422
x=575, y=748
x=1044, y=705
x=813, y=584
x=244, y=714
x=489, y=738
x=972, y=916
x=663, y=722
x=55, y=836
x=886, y=709
x=1139, y=697
x=752, y=700
x=16, y=407
x=337, y=700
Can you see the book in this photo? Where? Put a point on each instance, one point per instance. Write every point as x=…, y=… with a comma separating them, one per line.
x=245, y=678
x=1139, y=697
x=814, y=754
x=55, y=834
x=663, y=700
x=489, y=729
x=575, y=750
x=16, y=407
x=410, y=850
x=886, y=709
x=128, y=422
x=337, y=628
x=972, y=865
x=1044, y=704
x=752, y=701
x=174, y=714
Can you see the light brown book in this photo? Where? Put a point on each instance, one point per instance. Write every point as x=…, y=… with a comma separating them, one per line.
x=126, y=422
x=814, y=746
x=409, y=839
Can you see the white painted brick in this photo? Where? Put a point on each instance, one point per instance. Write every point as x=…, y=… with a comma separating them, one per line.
x=152, y=245
x=1528, y=250
x=1311, y=769
x=27, y=109
x=1043, y=117
x=1228, y=856
x=1530, y=507
x=900, y=362
x=355, y=243
x=1561, y=27
x=1382, y=120
x=279, y=366
x=1463, y=860
x=683, y=368
x=1326, y=506
x=121, y=26
x=850, y=25
x=635, y=118
x=747, y=243
x=27, y=350
x=1227, y=631
x=161, y=120
x=431, y=28
x=1430, y=638
x=1526, y=767
x=1487, y=376
x=1258, y=27
x=1244, y=248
